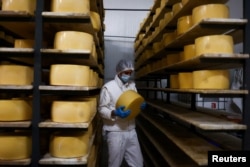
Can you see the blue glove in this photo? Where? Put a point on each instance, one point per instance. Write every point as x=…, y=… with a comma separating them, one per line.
x=143, y=105
x=121, y=113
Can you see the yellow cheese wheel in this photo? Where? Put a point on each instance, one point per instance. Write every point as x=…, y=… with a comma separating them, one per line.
x=15, y=146
x=24, y=43
x=67, y=74
x=15, y=110
x=211, y=79
x=174, y=81
x=183, y=24
x=169, y=37
x=66, y=40
x=69, y=144
x=132, y=101
x=19, y=5
x=185, y=80
x=214, y=44
x=172, y=58
x=177, y=7
x=95, y=20
x=184, y=2
x=74, y=6
x=168, y=16
x=209, y=11
x=71, y=111
x=188, y=53
x=16, y=75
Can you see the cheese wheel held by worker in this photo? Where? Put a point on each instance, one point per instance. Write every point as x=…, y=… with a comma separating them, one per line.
x=28, y=6
x=209, y=11
x=69, y=74
x=69, y=144
x=174, y=81
x=15, y=110
x=73, y=40
x=214, y=44
x=16, y=75
x=71, y=111
x=15, y=145
x=183, y=24
x=72, y=6
x=132, y=101
x=211, y=79
x=185, y=80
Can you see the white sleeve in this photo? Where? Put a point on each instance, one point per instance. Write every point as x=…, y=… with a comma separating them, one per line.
x=105, y=107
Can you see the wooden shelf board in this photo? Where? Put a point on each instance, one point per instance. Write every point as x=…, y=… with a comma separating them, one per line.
x=16, y=162
x=16, y=87
x=188, y=142
x=67, y=88
x=197, y=119
x=15, y=124
x=172, y=158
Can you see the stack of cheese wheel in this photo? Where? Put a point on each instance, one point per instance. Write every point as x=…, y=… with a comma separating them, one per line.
x=183, y=24
x=69, y=75
x=132, y=101
x=188, y=53
x=71, y=111
x=72, y=6
x=15, y=145
x=211, y=79
x=28, y=6
x=15, y=110
x=16, y=75
x=209, y=11
x=73, y=40
x=214, y=44
x=69, y=144
x=185, y=80
x=95, y=20
x=174, y=81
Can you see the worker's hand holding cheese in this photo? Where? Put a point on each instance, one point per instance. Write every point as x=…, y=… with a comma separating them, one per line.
x=121, y=113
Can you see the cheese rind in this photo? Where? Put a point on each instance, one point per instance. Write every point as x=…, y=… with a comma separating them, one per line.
x=71, y=111
x=70, y=40
x=188, y=53
x=24, y=43
x=209, y=11
x=174, y=81
x=19, y=5
x=132, y=101
x=69, y=145
x=15, y=110
x=185, y=80
x=211, y=79
x=16, y=75
x=214, y=44
x=95, y=20
x=15, y=146
x=183, y=24
x=74, y=6
x=68, y=74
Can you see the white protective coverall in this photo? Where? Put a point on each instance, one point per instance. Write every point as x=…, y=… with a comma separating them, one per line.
x=119, y=133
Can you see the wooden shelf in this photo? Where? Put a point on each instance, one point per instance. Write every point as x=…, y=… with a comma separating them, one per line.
x=51, y=124
x=168, y=151
x=197, y=119
x=20, y=162
x=15, y=124
x=215, y=92
x=189, y=143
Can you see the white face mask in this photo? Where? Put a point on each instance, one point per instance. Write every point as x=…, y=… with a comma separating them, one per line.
x=125, y=78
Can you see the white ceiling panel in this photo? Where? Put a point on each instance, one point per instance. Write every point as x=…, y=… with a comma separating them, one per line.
x=128, y=4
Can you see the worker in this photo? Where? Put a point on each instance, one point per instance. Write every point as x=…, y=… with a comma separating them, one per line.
x=120, y=133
